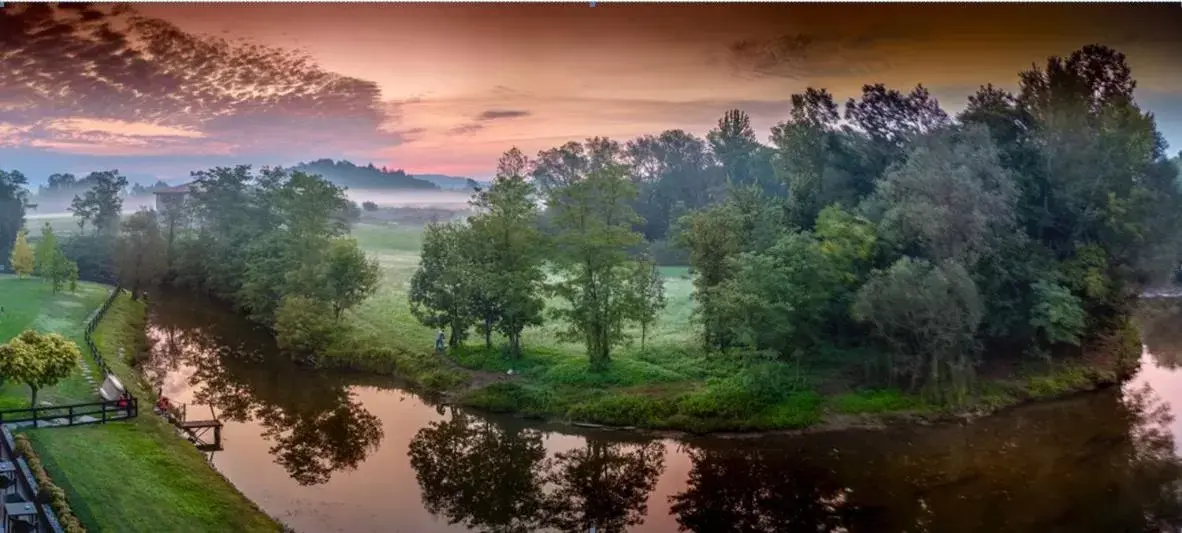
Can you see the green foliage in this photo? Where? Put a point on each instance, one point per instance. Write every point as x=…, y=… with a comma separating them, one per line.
x=13, y=198
x=21, y=259
x=46, y=253
x=440, y=289
x=141, y=252
x=780, y=299
x=647, y=286
x=52, y=263
x=349, y=276
x=505, y=252
x=38, y=360
x=594, y=219
x=102, y=204
x=927, y=315
x=305, y=327
x=1057, y=314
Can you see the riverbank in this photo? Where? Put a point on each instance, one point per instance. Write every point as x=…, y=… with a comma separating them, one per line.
x=670, y=383
x=134, y=476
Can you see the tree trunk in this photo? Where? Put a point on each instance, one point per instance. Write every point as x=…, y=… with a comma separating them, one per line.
x=515, y=344
x=487, y=333
x=34, y=391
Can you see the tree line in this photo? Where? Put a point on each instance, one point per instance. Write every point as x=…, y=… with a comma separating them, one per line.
x=489, y=271
x=273, y=243
x=916, y=244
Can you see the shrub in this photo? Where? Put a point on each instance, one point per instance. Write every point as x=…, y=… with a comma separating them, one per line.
x=47, y=492
x=304, y=327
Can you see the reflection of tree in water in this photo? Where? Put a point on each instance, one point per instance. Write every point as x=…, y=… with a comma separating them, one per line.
x=753, y=490
x=603, y=484
x=1160, y=322
x=314, y=423
x=1098, y=463
x=492, y=479
x=480, y=475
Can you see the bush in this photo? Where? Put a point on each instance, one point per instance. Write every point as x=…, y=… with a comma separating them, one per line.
x=47, y=492
x=508, y=397
x=304, y=327
x=624, y=410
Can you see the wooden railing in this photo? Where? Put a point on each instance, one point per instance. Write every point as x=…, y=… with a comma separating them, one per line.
x=71, y=415
x=92, y=325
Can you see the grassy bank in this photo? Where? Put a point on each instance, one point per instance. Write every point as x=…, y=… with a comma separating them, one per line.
x=126, y=476
x=670, y=383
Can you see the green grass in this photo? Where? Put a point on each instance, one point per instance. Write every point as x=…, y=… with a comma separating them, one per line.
x=670, y=383
x=126, y=476
x=31, y=304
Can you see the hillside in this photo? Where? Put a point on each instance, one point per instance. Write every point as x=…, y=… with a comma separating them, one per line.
x=449, y=182
x=349, y=175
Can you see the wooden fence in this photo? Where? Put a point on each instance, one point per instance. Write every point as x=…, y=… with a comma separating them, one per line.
x=95, y=319
x=74, y=414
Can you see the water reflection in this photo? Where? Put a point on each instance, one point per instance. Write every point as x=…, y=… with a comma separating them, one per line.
x=1160, y=321
x=1106, y=464
x=1099, y=462
x=313, y=422
x=491, y=477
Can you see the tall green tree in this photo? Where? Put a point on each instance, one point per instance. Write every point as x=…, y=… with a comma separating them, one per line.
x=84, y=208
x=349, y=276
x=140, y=258
x=51, y=263
x=647, y=286
x=927, y=315
x=812, y=158
x=950, y=199
x=13, y=198
x=441, y=287
x=505, y=233
x=46, y=252
x=733, y=142
x=102, y=204
x=594, y=220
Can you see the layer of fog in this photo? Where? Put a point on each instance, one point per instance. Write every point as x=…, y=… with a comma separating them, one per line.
x=411, y=198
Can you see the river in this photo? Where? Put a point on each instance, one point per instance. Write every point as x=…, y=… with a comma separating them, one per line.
x=334, y=452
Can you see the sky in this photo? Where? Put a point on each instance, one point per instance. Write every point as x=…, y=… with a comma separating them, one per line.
x=159, y=90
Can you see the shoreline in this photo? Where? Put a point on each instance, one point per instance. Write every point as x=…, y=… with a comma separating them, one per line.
x=830, y=422
x=1088, y=378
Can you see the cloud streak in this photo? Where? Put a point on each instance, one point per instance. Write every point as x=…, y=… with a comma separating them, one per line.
x=99, y=79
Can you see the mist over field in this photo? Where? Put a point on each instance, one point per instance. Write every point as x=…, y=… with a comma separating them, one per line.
x=411, y=198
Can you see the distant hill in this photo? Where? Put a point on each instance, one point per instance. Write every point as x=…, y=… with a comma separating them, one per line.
x=449, y=182
x=347, y=174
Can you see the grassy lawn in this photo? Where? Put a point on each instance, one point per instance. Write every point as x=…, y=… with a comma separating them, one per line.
x=30, y=303
x=125, y=476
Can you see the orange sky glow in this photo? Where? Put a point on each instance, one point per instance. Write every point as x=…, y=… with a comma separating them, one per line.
x=446, y=88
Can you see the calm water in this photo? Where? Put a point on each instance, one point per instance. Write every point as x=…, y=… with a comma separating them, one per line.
x=340, y=453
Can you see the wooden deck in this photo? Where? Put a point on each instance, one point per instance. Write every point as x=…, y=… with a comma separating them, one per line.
x=196, y=430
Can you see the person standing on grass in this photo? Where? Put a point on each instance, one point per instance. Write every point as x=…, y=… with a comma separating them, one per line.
x=439, y=341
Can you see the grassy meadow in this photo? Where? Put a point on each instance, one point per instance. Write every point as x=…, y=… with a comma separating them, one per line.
x=123, y=476
x=668, y=383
